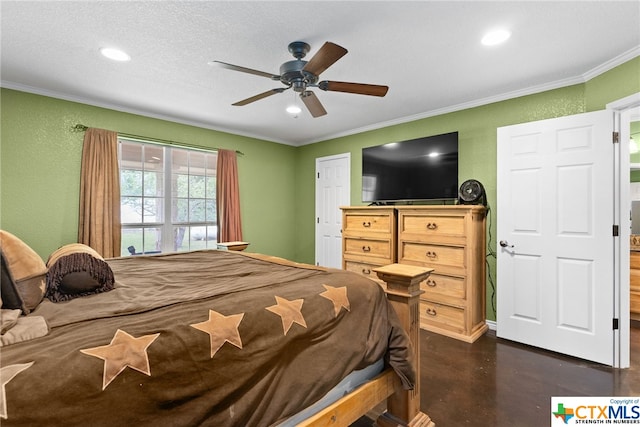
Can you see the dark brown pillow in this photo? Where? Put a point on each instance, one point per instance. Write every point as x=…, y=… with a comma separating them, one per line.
x=78, y=282
x=76, y=270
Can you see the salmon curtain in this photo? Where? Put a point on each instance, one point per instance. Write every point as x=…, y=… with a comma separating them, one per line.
x=228, y=197
x=99, y=224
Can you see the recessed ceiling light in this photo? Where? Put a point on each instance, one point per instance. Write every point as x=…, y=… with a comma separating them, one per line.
x=115, y=54
x=495, y=37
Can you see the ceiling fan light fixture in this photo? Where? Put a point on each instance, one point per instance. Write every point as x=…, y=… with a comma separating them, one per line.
x=495, y=37
x=294, y=110
x=115, y=54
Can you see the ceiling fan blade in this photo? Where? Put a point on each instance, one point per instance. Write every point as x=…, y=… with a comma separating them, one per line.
x=328, y=54
x=259, y=96
x=313, y=104
x=246, y=70
x=359, y=88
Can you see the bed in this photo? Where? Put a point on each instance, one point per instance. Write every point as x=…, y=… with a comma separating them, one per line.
x=215, y=338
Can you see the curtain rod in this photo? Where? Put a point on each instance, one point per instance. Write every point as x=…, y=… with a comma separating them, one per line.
x=82, y=128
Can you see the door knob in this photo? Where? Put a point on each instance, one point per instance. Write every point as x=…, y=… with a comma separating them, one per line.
x=505, y=244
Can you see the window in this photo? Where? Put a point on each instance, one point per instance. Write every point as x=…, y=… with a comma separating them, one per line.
x=168, y=198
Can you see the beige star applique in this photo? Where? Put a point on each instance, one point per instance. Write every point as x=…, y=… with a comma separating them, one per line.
x=124, y=350
x=289, y=311
x=338, y=296
x=7, y=373
x=221, y=329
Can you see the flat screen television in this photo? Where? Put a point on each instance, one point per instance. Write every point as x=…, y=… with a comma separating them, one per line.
x=418, y=169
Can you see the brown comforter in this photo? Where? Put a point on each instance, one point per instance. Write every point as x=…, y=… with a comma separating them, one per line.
x=201, y=338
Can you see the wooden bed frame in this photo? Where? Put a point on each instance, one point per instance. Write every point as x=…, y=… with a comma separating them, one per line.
x=403, y=407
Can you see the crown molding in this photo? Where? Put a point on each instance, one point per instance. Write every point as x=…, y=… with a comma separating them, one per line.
x=583, y=78
x=612, y=63
x=120, y=108
x=594, y=72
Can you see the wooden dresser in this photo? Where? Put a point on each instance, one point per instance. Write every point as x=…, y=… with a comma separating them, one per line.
x=449, y=239
x=634, y=283
x=368, y=239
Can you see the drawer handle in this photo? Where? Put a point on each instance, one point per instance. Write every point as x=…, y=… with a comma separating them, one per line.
x=366, y=271
x=366, y=224
x=432, y=226
x=432, y=255
x=366, y=249
x=431, y=283
x=432, y=312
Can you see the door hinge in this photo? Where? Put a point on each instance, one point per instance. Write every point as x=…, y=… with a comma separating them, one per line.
x=318, y=175
x=616, y=137
x=616, y=324
x=318, y=220
x=616, y=231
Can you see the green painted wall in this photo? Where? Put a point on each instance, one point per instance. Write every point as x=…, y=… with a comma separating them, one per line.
x=622, y=81
x=40, y=171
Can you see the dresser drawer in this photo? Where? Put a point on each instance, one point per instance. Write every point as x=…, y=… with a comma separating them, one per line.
x=432, y=226
x=370, y=223
x=439, y=286
x=368, y=248
x=635, y=302
x=634, y=279
x=634, y=259
x=362, y=268
x=442, y=316
x=444, y=259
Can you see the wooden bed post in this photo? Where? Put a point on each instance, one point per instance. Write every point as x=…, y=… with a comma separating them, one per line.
x=403, y=291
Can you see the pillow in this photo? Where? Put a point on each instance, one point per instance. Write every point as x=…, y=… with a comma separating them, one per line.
x=77, y=270
x=8, y=292
x=24, y=284
x=8, y=319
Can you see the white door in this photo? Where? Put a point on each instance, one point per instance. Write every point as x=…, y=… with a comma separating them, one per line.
x=555, y=260
x=333, y=188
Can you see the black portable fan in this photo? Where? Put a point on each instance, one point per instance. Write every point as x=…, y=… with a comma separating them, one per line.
x=472, y=193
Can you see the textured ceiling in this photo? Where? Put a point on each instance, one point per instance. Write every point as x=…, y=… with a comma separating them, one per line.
x=427, y=52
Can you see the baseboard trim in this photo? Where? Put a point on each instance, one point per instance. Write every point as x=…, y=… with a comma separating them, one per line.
x=492, y=325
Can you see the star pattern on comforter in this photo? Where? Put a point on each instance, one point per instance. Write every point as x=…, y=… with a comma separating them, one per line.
x=124, y=350
x=338, y=296
x=221, y=329
x=289, y=311
x=7, y=373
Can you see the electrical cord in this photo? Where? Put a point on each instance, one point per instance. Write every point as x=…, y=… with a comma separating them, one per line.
x=491, y=253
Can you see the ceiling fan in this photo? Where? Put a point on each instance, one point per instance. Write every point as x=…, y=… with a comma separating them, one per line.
x=301, y=75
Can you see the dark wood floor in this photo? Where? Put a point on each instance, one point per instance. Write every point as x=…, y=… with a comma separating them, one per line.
x=498, y=383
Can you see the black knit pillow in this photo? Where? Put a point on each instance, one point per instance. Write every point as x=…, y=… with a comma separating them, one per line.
x=75, y=271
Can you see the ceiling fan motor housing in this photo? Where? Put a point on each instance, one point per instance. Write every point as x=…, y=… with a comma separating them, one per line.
x=292, y=74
